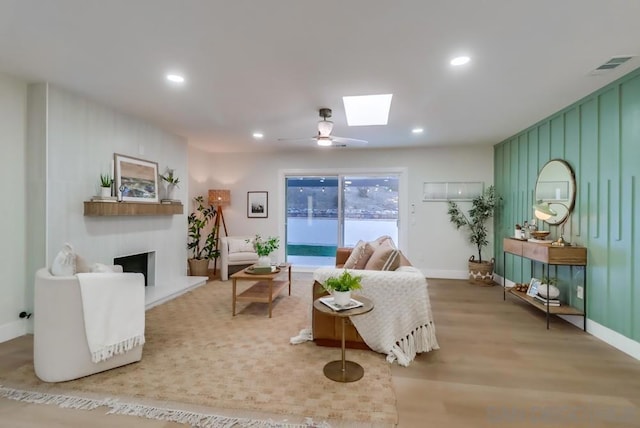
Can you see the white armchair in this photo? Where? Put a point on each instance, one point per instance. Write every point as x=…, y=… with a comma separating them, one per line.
x=61, y=350
x=236, y=251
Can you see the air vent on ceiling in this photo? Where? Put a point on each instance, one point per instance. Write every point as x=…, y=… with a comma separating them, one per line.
x=614, y=62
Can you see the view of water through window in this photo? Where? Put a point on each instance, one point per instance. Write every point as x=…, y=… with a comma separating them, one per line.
x=324, y=212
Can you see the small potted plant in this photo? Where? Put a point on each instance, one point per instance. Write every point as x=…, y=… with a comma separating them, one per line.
x=483, y=206
x=341, y=287
x=201, y=244
x=105, y=185
x=264, y=248
x=172, y=182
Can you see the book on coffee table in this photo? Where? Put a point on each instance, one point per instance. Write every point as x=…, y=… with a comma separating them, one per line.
x=329, y=301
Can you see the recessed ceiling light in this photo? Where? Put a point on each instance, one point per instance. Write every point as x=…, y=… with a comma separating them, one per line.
x=367, y=110
x=417, y=130
x=175, y=78
x=461, y=60
x=258, y=135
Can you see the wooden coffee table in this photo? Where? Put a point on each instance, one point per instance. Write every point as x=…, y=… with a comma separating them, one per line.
x=267, y=286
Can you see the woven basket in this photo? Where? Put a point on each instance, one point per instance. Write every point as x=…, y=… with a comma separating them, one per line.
x=481, y=273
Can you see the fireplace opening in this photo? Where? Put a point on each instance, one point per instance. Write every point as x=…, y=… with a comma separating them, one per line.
x=138, y=263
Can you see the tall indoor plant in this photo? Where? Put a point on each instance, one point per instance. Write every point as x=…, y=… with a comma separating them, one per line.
x=201, y=244
x=475, y=222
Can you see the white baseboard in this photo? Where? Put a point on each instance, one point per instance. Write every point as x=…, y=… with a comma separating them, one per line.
x=613, y=338
x=13, y=329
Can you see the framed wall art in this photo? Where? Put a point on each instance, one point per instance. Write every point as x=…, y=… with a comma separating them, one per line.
x=136, y=179
x=257, y=204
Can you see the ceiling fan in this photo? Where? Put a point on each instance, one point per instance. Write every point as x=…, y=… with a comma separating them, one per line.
x=324, y=137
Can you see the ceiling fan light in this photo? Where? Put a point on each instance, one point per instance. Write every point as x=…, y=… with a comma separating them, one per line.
x=325, y=127
x=324, y=141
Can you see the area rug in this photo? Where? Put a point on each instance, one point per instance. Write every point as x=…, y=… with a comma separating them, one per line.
x=200, y=356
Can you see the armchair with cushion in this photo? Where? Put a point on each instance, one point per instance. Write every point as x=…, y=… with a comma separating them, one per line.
x=235, y=254
x=61, y=347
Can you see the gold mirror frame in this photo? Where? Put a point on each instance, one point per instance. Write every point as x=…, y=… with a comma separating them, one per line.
x=556, y=185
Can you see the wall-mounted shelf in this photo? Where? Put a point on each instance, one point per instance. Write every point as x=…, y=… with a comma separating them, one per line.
x=102, y=209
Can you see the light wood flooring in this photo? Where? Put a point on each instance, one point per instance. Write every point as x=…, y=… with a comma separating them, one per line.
x=498, y=366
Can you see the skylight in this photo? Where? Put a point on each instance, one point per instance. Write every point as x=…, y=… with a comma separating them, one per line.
x=365, y=110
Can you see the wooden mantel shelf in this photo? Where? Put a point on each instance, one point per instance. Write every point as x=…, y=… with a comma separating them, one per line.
x=101, y=209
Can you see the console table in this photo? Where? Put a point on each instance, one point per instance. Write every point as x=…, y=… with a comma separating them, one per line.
x=548, y=255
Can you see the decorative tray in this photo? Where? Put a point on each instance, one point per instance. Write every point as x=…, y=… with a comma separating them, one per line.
x=253, y=271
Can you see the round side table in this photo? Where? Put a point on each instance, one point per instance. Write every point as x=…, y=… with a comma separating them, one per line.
x=343, y=370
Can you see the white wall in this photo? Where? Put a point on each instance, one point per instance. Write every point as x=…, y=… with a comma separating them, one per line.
x=82, y=137
x=432, y=243
x=13, y=110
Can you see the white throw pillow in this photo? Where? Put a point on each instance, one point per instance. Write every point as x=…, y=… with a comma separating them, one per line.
x=65, y=262
x=100, y=268
x=241, y=246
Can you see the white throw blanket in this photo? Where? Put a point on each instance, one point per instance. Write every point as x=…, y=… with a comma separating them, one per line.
x=113, y=307
x=401, y=323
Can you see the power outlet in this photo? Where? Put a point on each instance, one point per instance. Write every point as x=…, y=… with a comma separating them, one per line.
x=580, y=292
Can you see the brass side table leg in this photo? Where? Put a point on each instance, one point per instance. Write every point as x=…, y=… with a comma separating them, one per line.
x=343, y=370
x=270, y=296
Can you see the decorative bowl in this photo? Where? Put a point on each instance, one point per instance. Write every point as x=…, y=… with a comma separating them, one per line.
x=540, y=234
x=554, y=292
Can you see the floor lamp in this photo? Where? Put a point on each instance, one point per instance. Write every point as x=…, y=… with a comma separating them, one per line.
x=219, y=198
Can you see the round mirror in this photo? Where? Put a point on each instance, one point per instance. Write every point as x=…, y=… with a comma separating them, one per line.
x=555, y=190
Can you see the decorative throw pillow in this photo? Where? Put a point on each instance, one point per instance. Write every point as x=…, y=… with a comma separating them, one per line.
x=100, y=268
x=82, y=265
x=359, y=256
x=65, y=262
x=241, y=246
x=384, y=258
x=385, y=240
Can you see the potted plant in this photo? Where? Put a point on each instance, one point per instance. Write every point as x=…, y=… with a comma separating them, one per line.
x=341, y=287
x=264, y=248
x=201, y=244
x=105, y=185
x=483, y=207
x=172, y=182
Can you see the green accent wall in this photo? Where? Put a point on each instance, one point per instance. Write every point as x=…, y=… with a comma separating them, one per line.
x=599, y=136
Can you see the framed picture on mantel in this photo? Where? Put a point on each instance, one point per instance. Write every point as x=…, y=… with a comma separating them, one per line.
x=136, y=179
x=257, y=204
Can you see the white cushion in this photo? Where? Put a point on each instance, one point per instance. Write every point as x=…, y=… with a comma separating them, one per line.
x=240, y=246
x=243, y=257
x=65, y=262
x=101, y=268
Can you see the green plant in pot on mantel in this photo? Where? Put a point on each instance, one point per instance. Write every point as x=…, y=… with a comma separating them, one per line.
x=341, y=287
x=105, y=185
x=482, y=209
x=201, y=244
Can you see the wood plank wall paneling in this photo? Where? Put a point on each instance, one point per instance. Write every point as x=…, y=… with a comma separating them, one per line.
x=599, y=136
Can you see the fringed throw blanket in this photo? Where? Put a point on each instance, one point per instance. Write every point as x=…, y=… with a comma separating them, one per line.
x=113, y=307
x=401, y=323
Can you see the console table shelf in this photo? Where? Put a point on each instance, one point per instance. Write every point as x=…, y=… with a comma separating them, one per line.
x=548, y=255
x=101, y=209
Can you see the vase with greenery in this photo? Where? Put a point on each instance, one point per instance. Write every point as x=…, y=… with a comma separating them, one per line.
x=475, y=223
x=172, y=182
x=341, y=287
x=105, y=185
x=201, y=243
x=264, y=247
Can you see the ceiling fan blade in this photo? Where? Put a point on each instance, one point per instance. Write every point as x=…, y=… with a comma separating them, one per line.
x=348, y=140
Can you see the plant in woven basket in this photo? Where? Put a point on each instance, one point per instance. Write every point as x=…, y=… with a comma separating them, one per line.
x=475, y=222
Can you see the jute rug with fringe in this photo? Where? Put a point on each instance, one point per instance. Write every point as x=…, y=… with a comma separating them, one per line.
x=199, y=356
